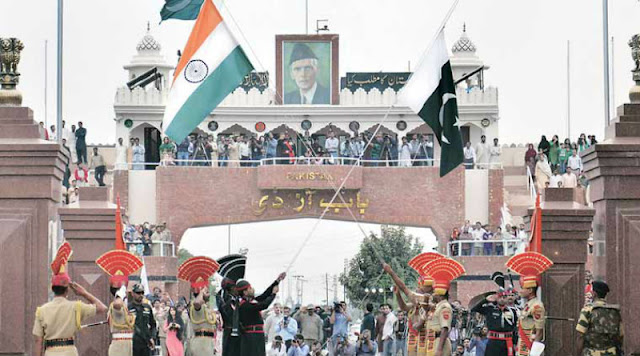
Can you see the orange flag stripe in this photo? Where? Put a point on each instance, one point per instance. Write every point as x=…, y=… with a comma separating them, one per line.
x=208, y=19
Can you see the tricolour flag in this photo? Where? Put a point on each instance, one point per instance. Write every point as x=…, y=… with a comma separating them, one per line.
x=212, y=65
x=431, y=93
x=181, y=9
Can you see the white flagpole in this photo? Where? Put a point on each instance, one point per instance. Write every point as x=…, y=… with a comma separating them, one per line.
x=605, y=35
x=59, y=76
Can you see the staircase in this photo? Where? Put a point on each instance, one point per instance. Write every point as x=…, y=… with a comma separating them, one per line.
x=516, y=193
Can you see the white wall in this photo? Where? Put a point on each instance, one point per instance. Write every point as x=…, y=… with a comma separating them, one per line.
x=142, y=196
x=476, y=188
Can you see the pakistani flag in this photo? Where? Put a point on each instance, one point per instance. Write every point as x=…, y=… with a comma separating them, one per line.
x=181, y=9
x=431, y=93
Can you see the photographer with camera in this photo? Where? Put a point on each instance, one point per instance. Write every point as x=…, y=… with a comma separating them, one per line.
x=344, y=347
x=340, y=320
x=277, y=347
x=287, y=328
x=298, y=347
x=366, y=346
x=316, y=349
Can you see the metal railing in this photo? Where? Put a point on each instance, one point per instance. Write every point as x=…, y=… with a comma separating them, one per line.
x=531, y=185
x=158, y=248
x=483, y=248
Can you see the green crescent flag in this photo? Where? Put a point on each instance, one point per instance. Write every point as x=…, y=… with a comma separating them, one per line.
x=181, y=9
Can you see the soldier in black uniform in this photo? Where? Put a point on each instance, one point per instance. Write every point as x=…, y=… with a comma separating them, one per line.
x=227, y=301
x=145, y=325
x=252, y=339
x=502, y=322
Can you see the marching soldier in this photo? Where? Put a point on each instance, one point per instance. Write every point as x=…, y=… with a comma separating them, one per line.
x=418, y=307
x=600, y=331
x=501, y=320
x=530, y=265
x=144, y=327
x=57, y=321
x=197, y=271
x=443, y=271
x=252, y=338
x=119, y=264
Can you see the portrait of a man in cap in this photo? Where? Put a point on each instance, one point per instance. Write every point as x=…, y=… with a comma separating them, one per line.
x=304, y=70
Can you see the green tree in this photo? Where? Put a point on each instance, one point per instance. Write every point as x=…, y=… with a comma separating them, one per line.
x=183, y=255
x=364, y=271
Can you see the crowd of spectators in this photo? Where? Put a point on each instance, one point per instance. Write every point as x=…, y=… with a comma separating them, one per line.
x=556, y=164
x=140, y=238
x=485, y=240
x=483, y=156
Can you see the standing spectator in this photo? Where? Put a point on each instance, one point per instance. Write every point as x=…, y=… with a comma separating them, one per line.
x=369, y=321
x=465, y=235
x=100, y=169
x=563, y=156
x=223, y=151
x=213, y=150
x=479, y=342
x=71, y=141
x=66, y=133
x=72, y=192
x=405, y=154
x=287, y=328
x=555, y=179
x=82, y=175
x=357, y=147
x=388, y=331
x=200, y=152
x=257, y=153
x=53, y=134
x=494, y=154
x=234, y=152
x=400, y=329
x=530, y=159
x=498, y=237
x=477, y=233
x=487, y=236
x=340, y=320
x=469, y=156
x=385, y=153
x=482, y=153
x=575, y=163
x=298, y=347
x=81, y=145
x=272, y=321
x=327, y=326
x=543, y=172
x=146, y=244
x=455, y=248
x=554, y=152
x=45, y=132
x=167, y=150
x=380, y=319
x=138, y=155
x=428, y=148
x=544, y=145
x=184, y=149
x=414, y=145
x=174, y=328
x=121, y=155
x=583, y=143
x=277, y=347
x=272, y=145
x=331, y=145
x=132, y=142
x=310, y=324
x=366, y=346
x=160, y=312
x=346, y=151
x=245, y=151
x=376, y=150
x=569, y=180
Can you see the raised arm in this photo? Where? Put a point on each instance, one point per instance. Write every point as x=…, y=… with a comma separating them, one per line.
x=80, y=291
x=397, y=281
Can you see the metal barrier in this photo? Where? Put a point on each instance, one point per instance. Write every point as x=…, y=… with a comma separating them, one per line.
x=158, y=248
x=483, y=247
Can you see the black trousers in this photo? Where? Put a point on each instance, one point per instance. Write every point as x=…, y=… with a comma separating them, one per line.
x=141, y=349
x=81, y=152
x=100, y=172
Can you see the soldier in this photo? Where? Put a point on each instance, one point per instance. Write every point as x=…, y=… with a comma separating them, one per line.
x=252, y=341
x=232, y=268
x=144, y=327
x=418, y=307
x=57, y=321
x=530, y=265
x=501, y=320
x=119, y=264
x=443, y=271
x=198, y=270
x=600, y=331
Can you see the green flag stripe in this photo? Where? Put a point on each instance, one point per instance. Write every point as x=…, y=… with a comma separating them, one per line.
x=451, y=154
x=209, y=94
x=181, y=9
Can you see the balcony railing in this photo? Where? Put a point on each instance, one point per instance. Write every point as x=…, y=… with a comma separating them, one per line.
x=485, y=247
x=157, y=248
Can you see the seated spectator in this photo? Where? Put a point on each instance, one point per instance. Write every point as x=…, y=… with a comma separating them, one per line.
x=344, y=347
x=81, y=175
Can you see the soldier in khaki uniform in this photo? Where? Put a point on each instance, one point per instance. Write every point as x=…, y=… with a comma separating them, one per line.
x=443, y=271
x=600, y=331
x=530, y=265
x=197, y=271
x=119, y=264
x=57, y=321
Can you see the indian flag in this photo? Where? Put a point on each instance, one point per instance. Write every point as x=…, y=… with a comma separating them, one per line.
x=212, y=65
x=431, y=93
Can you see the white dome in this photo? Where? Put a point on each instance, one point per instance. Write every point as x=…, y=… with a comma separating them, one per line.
x=464, y=44
x=148, y=43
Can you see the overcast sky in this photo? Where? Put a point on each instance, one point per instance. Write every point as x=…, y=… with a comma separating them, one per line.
x=524, y=42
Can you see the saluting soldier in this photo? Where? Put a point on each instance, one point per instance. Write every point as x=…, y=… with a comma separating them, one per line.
x=252, y=340
x=197, y=271
x=443, y=271
x=57, y=321
x=419, y=307
x=119, y=265
x=600, y=331
x=501, y=320
x=144, y=327
x=530, y=265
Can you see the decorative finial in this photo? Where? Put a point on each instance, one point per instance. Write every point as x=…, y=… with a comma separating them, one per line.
x=148, y=26
x=10, y=49
x=464, y=27
x=634, y=93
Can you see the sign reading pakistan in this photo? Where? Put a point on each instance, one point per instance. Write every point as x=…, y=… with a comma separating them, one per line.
x=306, y=72
x=380, y=81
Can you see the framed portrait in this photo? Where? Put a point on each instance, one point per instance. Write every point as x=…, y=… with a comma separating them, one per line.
x=307, y=67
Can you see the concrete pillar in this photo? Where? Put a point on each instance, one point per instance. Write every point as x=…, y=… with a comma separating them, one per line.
x=31, y=172
x=613, y=168
x=566, y=223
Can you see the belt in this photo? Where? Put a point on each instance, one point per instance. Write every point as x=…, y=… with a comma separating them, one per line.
x=503, y=336
x=122, y=336
x=206, y=333
x=437, y=334
x=58, y=343
x=254, y=329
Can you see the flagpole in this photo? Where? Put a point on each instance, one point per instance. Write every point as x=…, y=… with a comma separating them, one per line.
x=605, y=35
x=440, y=28
x=59, y=75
